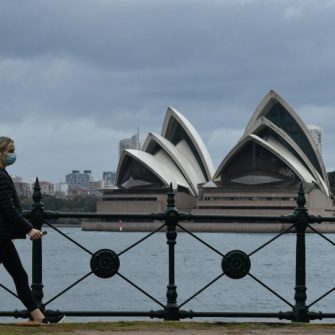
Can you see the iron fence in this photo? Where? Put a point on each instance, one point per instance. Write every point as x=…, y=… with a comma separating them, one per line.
x=235, y=264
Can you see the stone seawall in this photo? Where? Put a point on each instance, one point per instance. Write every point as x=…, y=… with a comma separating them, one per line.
x=201, y=227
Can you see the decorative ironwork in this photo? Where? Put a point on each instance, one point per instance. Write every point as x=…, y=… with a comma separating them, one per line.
x=236, y=264
x=37, y=218
x=105, y=263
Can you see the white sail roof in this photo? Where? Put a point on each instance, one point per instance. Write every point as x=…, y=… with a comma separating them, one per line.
x=178, y=156
x=263, y=123
x=160, y=165
x=200, y=150
x=278, y=128
x=303, y=137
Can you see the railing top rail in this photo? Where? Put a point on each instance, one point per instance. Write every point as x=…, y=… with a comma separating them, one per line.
x=184, y=217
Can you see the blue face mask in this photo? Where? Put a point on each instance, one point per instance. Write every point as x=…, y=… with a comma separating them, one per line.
x=11, y=158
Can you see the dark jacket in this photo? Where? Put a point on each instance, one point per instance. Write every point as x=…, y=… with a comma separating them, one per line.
x=12, y=224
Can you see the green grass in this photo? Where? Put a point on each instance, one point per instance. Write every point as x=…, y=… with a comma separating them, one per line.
x=80, y=328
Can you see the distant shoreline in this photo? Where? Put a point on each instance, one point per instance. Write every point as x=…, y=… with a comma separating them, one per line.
x=201, y=227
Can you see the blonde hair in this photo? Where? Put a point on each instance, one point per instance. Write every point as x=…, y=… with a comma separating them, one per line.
x=5, y=142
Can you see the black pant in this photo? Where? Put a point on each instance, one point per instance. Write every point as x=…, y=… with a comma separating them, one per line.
x=11, y=261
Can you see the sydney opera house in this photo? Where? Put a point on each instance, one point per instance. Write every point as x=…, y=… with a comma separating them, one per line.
x=259, y=176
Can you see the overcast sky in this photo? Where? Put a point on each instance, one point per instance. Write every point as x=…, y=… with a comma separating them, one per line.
x=76, y=76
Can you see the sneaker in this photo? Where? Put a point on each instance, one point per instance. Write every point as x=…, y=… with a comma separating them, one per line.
x=53, y=319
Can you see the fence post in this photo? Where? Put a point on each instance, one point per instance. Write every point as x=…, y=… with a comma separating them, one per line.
x=171, y=309
x=37, y=217
x=300, y=310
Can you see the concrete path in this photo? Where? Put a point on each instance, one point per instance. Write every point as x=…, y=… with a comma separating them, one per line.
x=167, y=328
x=280, y=331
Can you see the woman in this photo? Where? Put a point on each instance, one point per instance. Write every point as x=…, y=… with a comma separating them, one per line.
x=13, y=226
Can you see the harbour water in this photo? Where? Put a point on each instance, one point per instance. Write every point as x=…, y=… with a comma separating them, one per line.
x=146, y=265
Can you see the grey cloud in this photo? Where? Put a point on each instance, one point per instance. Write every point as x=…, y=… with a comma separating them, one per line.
x=120, y=64
x=130, y=35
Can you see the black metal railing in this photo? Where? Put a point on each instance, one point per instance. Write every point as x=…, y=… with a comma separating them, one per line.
x=235, y=264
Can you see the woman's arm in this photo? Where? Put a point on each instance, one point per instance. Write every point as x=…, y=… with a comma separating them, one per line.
x=8, y=208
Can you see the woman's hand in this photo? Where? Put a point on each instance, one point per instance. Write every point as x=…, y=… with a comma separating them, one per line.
x=35, y=234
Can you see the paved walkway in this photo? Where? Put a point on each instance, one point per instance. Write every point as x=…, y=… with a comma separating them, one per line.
x=165, y=328
x=222, y=330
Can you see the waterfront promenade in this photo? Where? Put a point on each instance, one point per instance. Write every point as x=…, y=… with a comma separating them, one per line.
x=162, y=328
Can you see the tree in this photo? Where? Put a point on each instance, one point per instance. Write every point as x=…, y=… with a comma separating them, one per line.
x=75, y=204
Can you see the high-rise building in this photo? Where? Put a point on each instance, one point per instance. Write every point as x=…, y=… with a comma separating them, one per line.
x=129, y=143
x=22, y=188
x=47, y=188
x=61, y=189
x=109, y=177
x=78, y=181
x=317, y=135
